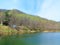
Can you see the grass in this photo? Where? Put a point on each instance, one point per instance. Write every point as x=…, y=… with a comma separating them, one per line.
x=5, y=30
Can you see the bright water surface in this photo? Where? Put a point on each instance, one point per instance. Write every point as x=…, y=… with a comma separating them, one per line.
x=32, y=39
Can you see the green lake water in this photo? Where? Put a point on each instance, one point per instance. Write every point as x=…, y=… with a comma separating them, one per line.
x=32, y=39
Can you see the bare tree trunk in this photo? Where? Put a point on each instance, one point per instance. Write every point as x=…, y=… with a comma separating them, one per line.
x=1, y=23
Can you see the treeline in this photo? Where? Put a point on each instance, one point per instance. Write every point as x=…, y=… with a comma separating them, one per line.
x=20, y=20
x=17, y=21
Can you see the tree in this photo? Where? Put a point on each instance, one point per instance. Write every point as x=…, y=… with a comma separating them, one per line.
x=2, y=16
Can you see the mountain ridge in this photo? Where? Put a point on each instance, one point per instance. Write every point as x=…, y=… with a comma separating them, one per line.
x=18, y=18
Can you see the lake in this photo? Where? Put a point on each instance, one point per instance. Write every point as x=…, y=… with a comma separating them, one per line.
x=32, y=39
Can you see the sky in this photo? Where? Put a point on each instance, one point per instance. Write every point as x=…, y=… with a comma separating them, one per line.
x=49, y=9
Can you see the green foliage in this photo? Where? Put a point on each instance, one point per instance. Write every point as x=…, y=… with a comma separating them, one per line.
x=30, y=22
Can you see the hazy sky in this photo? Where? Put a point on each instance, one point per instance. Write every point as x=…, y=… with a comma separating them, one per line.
x=49, y=9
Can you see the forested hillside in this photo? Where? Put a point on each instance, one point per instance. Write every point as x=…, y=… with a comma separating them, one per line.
x=21, y=21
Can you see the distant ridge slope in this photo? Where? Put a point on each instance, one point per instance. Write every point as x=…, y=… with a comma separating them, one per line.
x=16, y=17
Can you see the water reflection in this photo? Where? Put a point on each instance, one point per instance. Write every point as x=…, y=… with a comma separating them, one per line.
x=32, y=39
x=26, y=39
